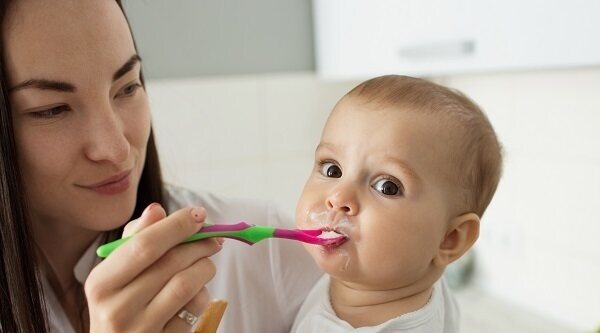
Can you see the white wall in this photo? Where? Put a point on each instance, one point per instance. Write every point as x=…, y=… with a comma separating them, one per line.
x=246, y=136
x=253, y=136
x=540, y=244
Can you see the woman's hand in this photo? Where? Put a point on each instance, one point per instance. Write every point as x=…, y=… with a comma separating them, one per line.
x=146, y=282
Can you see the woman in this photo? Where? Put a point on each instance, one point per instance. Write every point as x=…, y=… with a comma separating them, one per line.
x=78, y=160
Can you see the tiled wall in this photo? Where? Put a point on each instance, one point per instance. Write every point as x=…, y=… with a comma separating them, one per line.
x=250, y=136
x=253, y=136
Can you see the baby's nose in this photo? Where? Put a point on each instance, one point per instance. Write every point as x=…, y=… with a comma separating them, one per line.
x=342, y=202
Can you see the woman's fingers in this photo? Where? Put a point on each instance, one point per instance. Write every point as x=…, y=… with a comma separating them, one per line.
x=148, y=280
x=152, y=280
x=141, y=251
x=184, y=291
x=182, y=321
x=153, y=213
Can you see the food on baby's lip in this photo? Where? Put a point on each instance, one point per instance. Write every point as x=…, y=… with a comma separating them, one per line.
x=330, y=234
x=331, y=238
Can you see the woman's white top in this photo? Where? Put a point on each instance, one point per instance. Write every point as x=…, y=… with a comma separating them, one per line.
x=439, y=315
x=265, y=283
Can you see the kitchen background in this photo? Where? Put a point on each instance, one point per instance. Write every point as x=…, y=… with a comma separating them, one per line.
x=240, y=91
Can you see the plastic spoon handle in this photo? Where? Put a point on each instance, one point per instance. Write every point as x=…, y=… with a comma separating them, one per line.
x=241, y=231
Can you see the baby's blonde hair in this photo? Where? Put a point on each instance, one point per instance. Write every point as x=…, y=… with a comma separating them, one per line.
x=476, y=161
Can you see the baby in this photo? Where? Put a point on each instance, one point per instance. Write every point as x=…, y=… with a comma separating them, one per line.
x=405, y=169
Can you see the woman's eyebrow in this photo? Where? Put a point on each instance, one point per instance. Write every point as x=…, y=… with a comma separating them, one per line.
x=44, y=85
x=62, y=86
x=127, y=66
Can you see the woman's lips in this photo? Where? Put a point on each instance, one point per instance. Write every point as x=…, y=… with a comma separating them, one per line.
x=113, y=185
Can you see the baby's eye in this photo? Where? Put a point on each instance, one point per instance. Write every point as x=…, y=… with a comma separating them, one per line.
x=330, y=170
x=388, y=187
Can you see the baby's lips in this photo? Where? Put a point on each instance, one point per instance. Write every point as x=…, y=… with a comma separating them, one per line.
x=330, y=234
x=332, y=238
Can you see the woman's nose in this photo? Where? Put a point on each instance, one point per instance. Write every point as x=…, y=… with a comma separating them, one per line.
x=343, y=200
x=106, y=138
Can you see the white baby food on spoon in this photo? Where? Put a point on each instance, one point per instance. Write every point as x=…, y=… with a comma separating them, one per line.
x=330, y=235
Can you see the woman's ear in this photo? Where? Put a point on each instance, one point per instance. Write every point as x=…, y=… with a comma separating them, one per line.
x=462, y=233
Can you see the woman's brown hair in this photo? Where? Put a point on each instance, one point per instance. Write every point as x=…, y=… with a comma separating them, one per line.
x=21, y=298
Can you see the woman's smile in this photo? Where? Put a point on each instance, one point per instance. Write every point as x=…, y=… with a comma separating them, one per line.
x=115, y=184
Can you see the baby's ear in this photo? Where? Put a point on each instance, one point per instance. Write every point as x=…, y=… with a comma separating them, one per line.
x=462, y=233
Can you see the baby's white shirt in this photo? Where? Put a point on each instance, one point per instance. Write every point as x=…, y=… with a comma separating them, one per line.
x=439, y=315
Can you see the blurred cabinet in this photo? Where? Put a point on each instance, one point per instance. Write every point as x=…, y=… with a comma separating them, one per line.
x=362, y=38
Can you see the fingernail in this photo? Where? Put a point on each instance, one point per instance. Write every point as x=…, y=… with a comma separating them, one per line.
x=150, y=207
x=220, y=240
x=198, y=214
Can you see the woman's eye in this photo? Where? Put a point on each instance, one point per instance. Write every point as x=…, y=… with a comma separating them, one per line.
x=331, y=170
x=129, y=90
x=52, y=112
x=388, y=187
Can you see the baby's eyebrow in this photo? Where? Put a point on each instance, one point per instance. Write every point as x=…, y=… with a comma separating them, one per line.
x=325, y=145
x=405, y=166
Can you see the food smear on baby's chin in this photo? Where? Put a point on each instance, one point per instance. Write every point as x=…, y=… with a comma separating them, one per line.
x=338, y=251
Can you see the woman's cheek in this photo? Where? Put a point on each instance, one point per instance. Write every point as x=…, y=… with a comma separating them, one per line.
x=138, y=122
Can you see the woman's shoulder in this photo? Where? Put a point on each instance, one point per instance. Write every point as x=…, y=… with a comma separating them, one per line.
x=226, y=210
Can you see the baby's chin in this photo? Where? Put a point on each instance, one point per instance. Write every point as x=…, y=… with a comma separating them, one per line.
x=334, y=260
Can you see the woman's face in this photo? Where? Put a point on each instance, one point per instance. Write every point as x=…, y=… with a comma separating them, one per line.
x=80, y=114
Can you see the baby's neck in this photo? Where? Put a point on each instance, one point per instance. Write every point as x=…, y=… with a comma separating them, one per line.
x=362, y=308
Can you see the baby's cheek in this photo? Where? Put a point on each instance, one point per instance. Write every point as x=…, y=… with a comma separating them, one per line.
x=300, y=217
x=391, y=266
x=301, y=220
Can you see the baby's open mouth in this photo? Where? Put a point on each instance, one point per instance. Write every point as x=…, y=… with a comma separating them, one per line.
x=334, y=235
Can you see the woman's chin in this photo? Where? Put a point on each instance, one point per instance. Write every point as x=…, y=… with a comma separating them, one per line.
x=113, y=219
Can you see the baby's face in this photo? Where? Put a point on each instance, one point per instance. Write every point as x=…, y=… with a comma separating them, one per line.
x=378, y=180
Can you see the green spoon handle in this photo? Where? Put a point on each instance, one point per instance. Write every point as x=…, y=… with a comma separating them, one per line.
x=242, y=231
